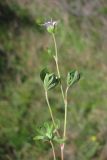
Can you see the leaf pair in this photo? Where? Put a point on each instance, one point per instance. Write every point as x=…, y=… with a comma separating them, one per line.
x=50, y=80
x=72, y=77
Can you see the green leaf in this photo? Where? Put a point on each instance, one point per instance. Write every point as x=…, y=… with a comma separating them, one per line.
x=43, y=73
x=38, y=138
x=72, y=77
x=46, y=132
x=50, y=81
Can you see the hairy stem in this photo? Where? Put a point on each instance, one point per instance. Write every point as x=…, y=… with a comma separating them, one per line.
x=53, y=150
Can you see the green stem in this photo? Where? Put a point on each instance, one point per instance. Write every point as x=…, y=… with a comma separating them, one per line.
x=57, y=66
x=50, y=110
x=64, y=97
x=65, y=119
x=65, y=124
x=53, y=150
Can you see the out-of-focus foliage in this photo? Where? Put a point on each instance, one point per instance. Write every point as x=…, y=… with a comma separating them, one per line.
x=24, y=51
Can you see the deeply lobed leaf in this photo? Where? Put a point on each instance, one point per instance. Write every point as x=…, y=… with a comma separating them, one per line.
x=72, y=77
x=50, y=80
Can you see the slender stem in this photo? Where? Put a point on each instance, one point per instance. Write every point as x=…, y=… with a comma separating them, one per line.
x=50, y=110
x=62, y=152
x=65, y=119
x=57, y=66
x=65, y=124
x=56, y=53
x=59, y=76
x=53, y=150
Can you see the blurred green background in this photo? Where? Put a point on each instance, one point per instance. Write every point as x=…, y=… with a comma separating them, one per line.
x=25, y=49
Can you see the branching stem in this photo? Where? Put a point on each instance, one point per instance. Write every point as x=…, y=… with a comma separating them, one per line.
x=63, y=96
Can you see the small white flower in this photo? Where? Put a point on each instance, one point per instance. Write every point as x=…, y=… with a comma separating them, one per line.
x=50, y=26
x=50, y=23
